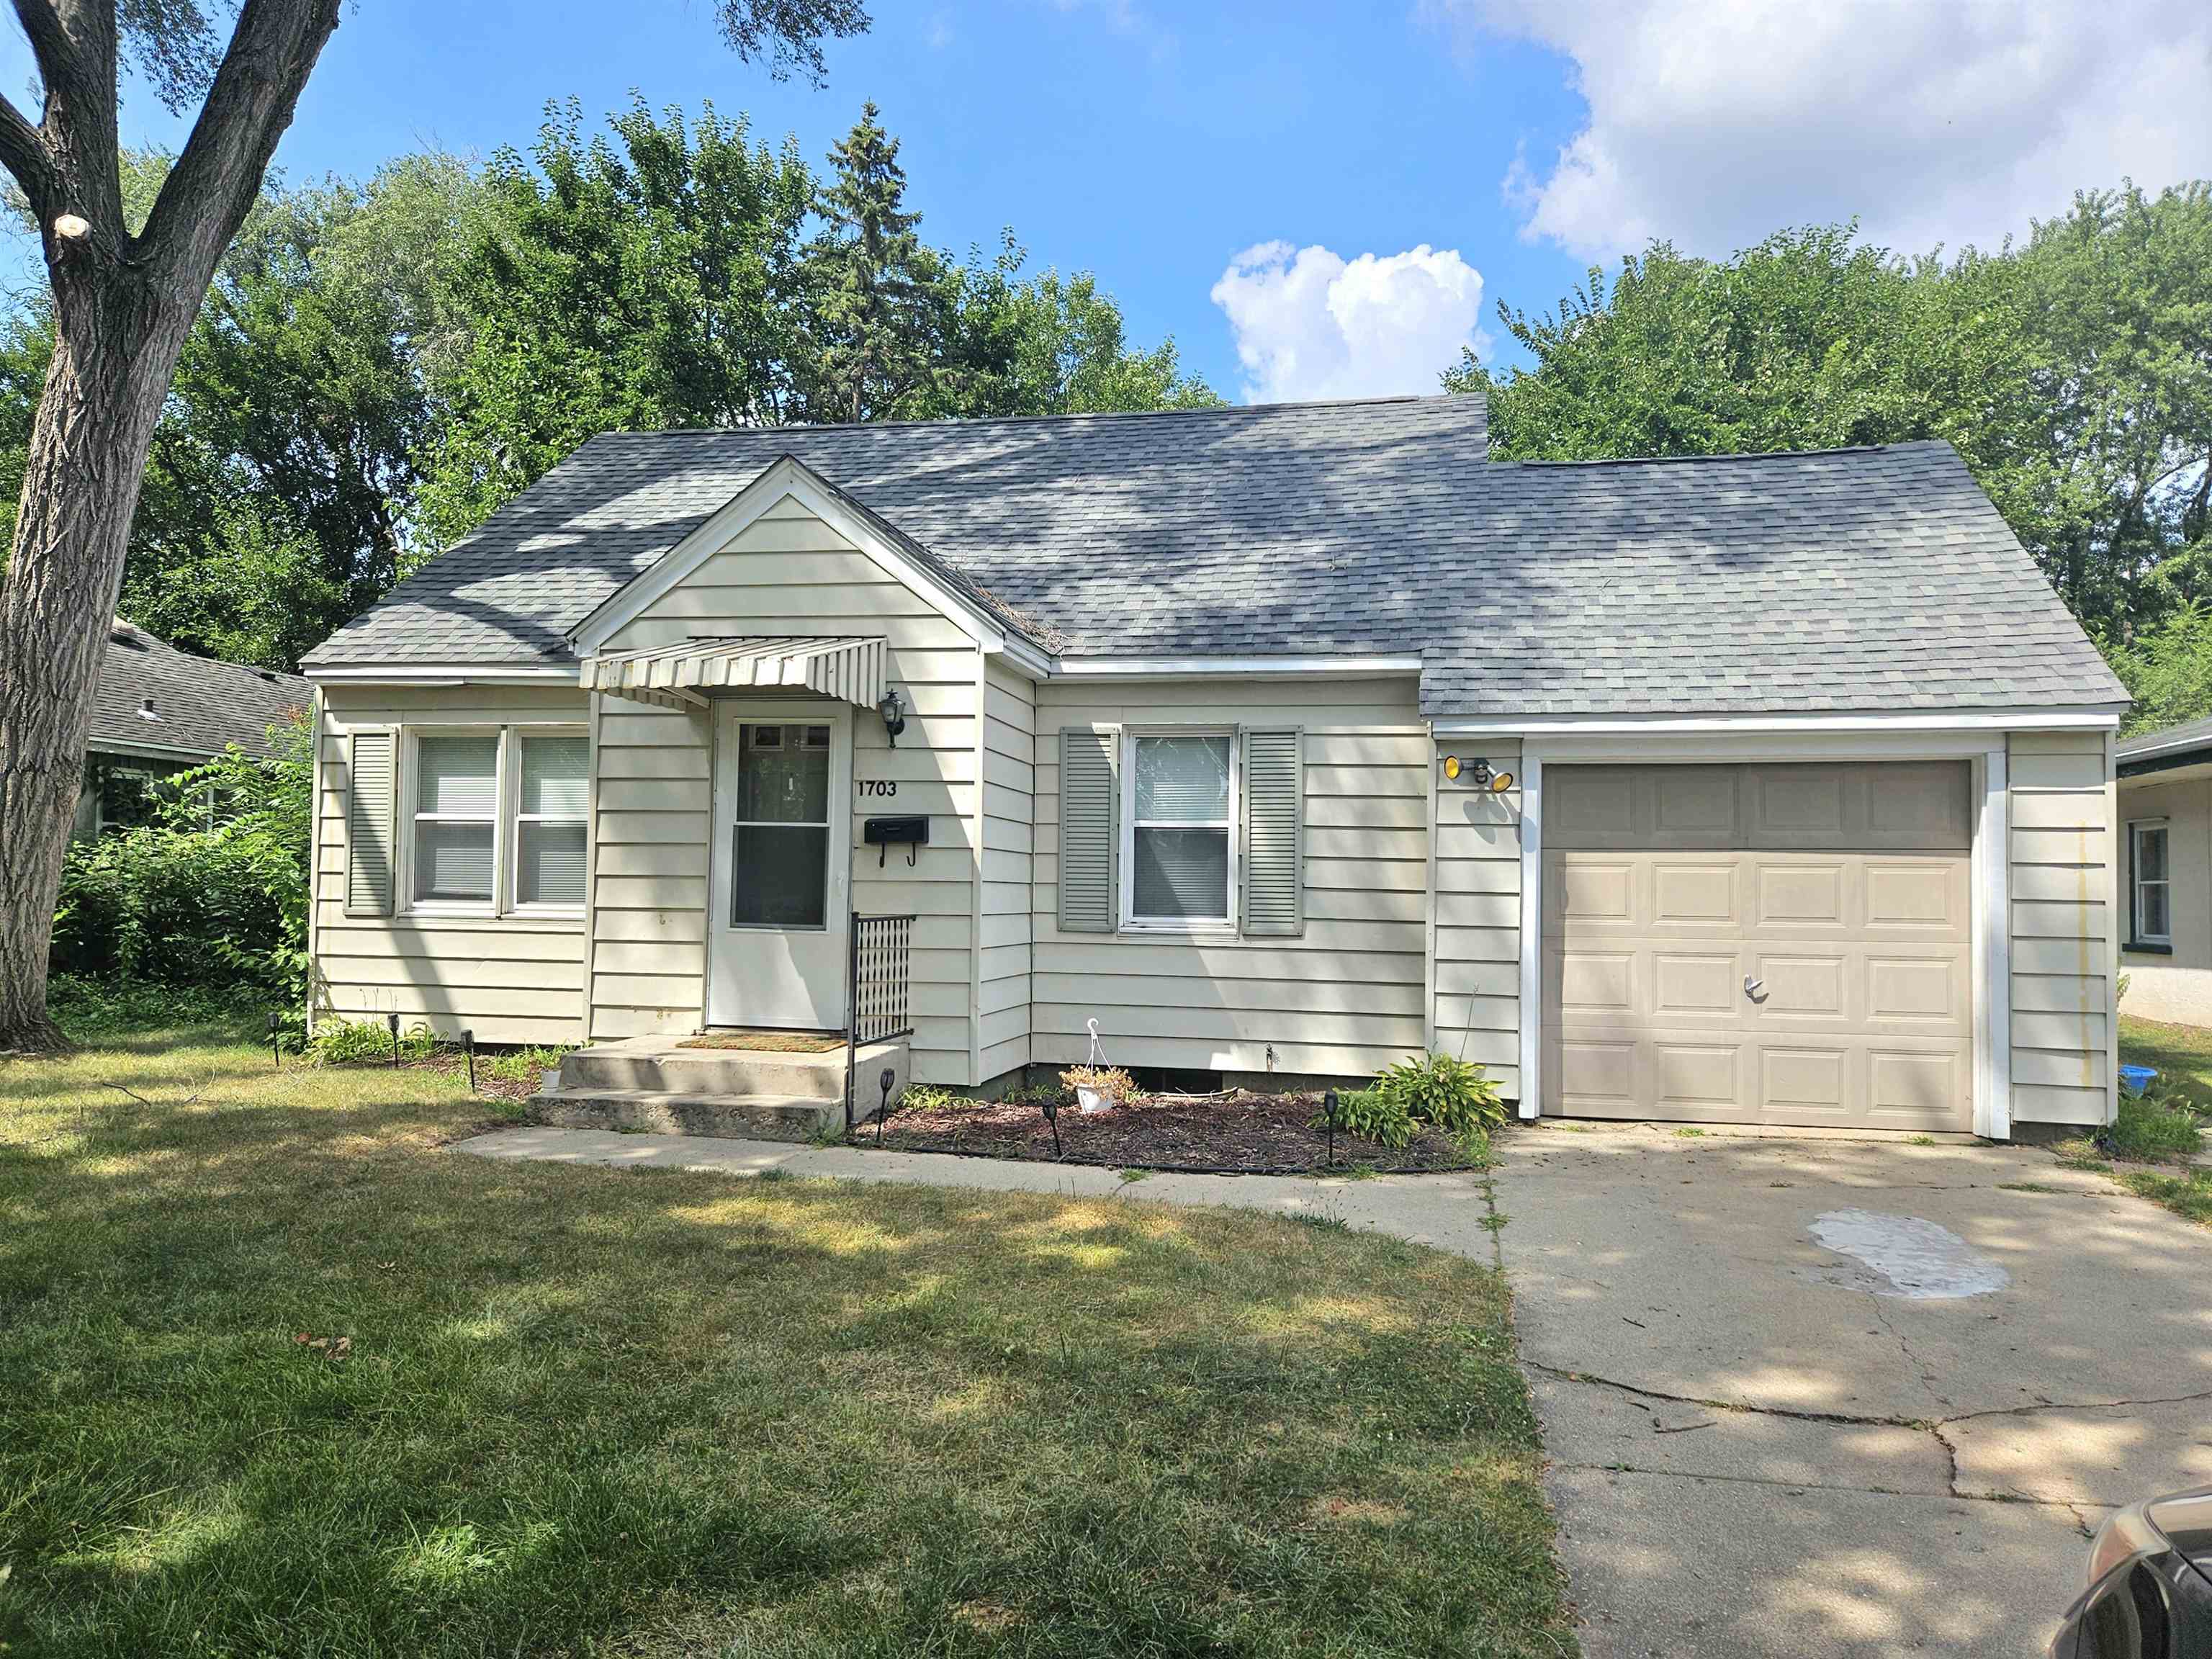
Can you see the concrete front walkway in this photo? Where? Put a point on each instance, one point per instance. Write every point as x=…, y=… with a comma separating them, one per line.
x=1760, y=1445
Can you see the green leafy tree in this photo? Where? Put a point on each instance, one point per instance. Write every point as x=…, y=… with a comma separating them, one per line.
x=644, y=279
x=2167, y=668
x=879, y=296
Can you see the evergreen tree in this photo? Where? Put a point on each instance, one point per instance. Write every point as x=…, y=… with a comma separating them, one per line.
x=879, y=293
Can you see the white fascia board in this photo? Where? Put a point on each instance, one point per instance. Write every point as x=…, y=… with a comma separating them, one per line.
x=1026, y=657
x=445, y=674
x=2099, y=719
x=1241, y=668
x=161, y=752
x=2137, y=748
x=785, y=477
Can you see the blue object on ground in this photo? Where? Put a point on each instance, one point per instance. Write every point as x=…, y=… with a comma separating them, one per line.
x=2135, y=1079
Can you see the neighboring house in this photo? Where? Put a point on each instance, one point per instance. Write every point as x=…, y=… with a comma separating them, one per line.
x=1810, y=815
x=159, y=711
x=2165, y=872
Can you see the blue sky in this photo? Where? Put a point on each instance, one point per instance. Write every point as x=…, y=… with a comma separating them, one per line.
x=1319, y=149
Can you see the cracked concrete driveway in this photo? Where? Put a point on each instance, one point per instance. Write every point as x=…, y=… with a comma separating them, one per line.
x=1761, y=1446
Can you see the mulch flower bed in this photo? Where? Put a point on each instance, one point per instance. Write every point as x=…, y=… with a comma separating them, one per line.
x=1238, y=1132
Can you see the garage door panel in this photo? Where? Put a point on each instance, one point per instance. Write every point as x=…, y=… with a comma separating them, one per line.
x=1842, y=892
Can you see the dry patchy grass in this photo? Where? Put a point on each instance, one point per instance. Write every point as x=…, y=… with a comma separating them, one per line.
x=587, y=1412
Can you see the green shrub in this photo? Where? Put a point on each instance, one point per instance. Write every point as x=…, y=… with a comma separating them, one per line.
x=89, y=1009
x=931, y=1098
x=1370, y=1115
x=1455, y=1095
x=2157, y=1127
x=337, y=1041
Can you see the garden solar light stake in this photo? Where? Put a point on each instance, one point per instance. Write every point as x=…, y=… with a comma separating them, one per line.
x=1052, y=1118
x=469, y=1047
x=392, y=1020
x=884, y=1111
x=1328, y=1111
x=276, y=1046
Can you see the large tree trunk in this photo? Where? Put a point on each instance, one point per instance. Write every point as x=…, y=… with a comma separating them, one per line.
x=117, y=343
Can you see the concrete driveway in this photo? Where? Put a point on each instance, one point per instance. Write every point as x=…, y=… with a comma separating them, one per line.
x=1762, y=1445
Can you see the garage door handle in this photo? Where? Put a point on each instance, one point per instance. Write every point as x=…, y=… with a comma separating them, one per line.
x=1752, y=987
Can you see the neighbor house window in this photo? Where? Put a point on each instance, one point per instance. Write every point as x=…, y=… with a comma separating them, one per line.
x=456, y=840
x=2149, y=917
x=1180, y=850
x=550, y=811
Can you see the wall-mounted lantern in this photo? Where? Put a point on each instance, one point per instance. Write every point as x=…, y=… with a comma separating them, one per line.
x=894, y=713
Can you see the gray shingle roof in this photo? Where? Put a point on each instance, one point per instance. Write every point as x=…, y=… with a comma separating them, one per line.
x=198, y=706
x=2166, y=742
x=1847, y=579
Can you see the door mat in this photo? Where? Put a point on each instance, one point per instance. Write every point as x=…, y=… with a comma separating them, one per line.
x=770, y=1042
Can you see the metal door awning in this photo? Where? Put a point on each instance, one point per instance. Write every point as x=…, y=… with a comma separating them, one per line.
x=679, y=676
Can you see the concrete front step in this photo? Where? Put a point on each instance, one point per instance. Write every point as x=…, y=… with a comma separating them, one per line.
x=659, y=1111
x=660, y=1065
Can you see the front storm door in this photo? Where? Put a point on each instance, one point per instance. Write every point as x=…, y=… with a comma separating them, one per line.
x=781, y=862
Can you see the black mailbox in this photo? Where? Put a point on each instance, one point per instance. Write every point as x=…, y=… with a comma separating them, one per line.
x=913, y=834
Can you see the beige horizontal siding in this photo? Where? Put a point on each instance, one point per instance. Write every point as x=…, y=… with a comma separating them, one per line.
x=2062, y=849
x=1004, y=964
x=1476, y=969
x=790, y=573
x=1346, y=998
x=509, y=978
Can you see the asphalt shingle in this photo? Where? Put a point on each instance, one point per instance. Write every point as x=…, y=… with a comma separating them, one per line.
x=1841, y=580
x=154, y=695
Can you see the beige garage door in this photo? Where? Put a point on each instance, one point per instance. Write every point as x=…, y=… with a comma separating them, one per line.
x=1758, y=944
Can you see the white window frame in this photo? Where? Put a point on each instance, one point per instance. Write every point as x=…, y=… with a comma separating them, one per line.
x=511, y=739
x=507, y=792
x=2138, y=828
x=1228, y=926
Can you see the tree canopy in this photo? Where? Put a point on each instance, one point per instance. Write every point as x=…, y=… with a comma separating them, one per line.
x=380, y=364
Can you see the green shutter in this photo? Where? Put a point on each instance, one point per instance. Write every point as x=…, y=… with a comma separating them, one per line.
x=1274, y=833
x=371, y=784
x=1090, y=799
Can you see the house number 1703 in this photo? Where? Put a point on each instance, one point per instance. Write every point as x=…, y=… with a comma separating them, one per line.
x=885, y=786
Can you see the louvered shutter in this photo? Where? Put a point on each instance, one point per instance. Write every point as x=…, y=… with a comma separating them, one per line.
x=1274, y=833
x=371, y=784
x=1090, y=799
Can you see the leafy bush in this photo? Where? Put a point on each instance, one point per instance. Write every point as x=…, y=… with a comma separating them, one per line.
x=1111, y=1081
x=92, y=1008
x=931, y=1098
x=1455, y=1095
x=2156, y=1127
x=1370, y=1115
x=220, y=910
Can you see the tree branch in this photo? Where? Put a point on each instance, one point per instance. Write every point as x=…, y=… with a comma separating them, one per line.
x=207, y=194
x=74, y=43
x=23, y=152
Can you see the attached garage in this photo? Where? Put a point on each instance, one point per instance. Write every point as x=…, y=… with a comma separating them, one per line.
x=1783, y=943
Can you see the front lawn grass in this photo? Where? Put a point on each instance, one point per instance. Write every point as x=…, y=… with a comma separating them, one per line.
x=2181, y=1054
x=579, y=1411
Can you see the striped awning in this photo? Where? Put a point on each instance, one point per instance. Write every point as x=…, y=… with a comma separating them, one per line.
x=679, y=676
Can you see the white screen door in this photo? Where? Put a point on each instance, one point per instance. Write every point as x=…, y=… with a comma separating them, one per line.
x=777, y=904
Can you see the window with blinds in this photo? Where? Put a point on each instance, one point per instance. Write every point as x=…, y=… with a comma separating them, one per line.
x=1179, y=824
x=550, y=807
x=456, y=844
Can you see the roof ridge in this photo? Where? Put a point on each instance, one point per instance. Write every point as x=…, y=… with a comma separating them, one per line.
x=195, y=656
x=1738, y=455
x=1071, y=417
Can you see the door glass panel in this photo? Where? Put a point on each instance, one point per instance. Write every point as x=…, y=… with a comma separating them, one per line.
x=780, y=876
x=779, y=846
x=783, y=775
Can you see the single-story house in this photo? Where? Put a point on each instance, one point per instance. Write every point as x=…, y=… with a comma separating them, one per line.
x=1284, y=740
x=2165, y=872
x=158, y=711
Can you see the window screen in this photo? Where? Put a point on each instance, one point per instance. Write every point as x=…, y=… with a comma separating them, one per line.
x=551, y=807
x=1179, y=833
x=780, y=859
x=456, y=815
x=2154, y=923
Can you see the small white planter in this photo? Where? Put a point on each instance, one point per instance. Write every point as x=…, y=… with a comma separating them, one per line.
x=1090, y=1100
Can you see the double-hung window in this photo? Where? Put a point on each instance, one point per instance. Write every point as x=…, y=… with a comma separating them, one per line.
x=495, y=819
x=550, y=811
x=2149, y=917
x=455, y=846
x=1181, y=810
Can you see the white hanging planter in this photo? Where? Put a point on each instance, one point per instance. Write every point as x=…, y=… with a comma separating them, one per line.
x=1090, y=1100
x=1087, y=1098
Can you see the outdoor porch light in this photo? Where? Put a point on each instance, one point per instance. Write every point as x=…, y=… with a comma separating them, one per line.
x=1478, y=773
x=894, y=713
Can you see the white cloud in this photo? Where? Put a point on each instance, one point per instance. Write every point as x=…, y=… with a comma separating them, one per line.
x=1713, y=122
x=1310, y=325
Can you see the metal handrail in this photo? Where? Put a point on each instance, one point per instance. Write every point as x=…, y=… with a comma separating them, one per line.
x=879, y=963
